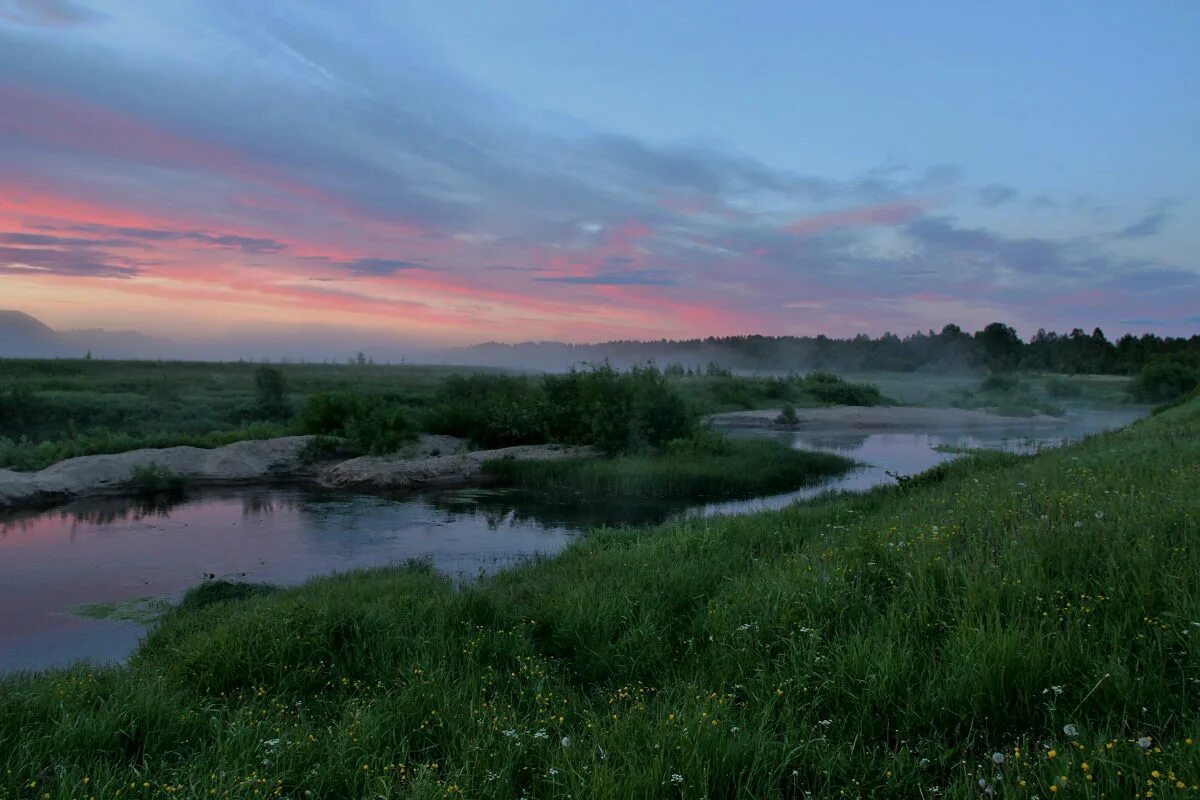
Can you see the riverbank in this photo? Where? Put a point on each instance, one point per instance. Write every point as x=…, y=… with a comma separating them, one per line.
x=1024, y=622
x=430, y=462
x=870, y=418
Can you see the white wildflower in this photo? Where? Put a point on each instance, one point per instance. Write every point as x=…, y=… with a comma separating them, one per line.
x=1144, y=742
x=1070, y=730
x=997, y=757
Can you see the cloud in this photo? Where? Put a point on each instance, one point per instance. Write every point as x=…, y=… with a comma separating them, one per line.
x=996, y=194
x=324, y=141
x=1149, y=225
x=47, y=240
x=639, y=277
x=944, y=240
x=378, y=266
x=74, y=263
x=247, y=244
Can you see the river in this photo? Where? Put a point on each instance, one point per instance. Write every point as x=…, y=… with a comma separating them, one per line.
x=75, y=581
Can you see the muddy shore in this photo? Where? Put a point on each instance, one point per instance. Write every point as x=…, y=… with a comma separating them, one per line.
x=431, y=462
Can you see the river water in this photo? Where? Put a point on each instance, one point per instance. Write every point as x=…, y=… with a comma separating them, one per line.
x=120, y=557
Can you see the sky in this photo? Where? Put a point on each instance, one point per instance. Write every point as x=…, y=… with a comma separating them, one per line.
x=457, y=172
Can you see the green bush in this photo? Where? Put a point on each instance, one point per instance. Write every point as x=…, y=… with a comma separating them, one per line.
x=490, y=410
x=150, y=481
x=787, y=415
x=1164, y=381
x=371, y=423
x=19, y=408
x=830, y=389
x=999, y=382
x=598, y=406
x=615, y=411
x=270, y=394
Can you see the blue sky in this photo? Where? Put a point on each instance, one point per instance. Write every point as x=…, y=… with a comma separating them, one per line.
x=460, y=171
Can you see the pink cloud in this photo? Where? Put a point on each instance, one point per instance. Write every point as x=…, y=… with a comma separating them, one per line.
x=77, y=126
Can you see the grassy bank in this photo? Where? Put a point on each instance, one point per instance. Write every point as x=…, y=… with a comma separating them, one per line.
x=1022, y=625
x=734, y=468
x=52, y=410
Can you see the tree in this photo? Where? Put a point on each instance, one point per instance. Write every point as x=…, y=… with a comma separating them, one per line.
x=999, y=346
x=270, y=393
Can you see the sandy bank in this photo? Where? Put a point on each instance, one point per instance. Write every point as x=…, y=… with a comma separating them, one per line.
x=881, y=418
x=250, y=461
x=432, y=461
x=397, y=473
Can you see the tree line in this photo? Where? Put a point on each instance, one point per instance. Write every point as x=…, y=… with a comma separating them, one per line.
x=995, y=348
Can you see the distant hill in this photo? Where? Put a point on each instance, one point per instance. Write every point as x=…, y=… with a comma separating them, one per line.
x=23, y=336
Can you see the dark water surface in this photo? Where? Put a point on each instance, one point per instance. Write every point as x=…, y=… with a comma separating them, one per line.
x=119, y=552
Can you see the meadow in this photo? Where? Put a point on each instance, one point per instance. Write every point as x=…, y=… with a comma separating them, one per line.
x=56, y=409
x=1011, y=626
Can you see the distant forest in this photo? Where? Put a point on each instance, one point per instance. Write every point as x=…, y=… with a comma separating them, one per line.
x=996, y=348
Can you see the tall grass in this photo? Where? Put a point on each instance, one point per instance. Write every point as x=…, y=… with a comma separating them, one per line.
x=738, y=469
x=1025, y=626
x=51, y=410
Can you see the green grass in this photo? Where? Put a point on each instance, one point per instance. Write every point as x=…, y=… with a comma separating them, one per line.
x=739, y=468
x=53, y=410
x=74, y=408
x=883, y=645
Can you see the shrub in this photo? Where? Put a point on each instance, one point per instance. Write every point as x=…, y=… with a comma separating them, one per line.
x=1164, y=381
x=153, y=481
x=371, y=423
x=19, y=409
x=703, y=441
x=787, y=415
x=270, y=394
x=829, y=388
x=490, y=410
x=999, y=382
x=615, y=411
